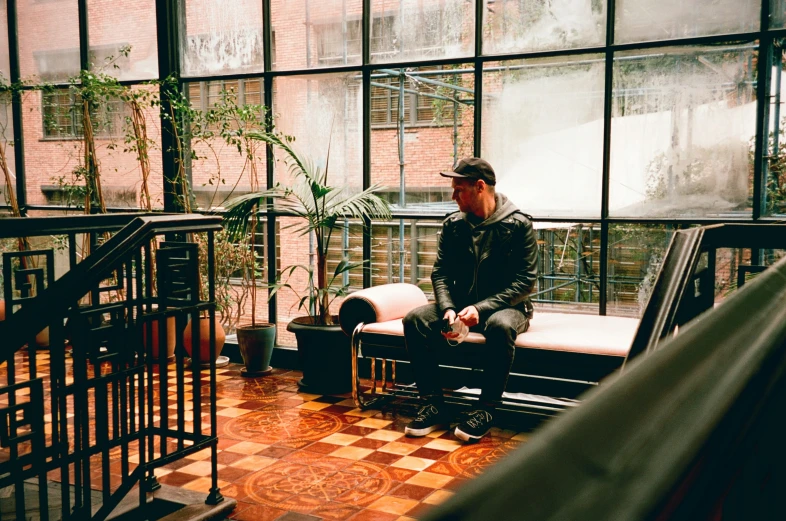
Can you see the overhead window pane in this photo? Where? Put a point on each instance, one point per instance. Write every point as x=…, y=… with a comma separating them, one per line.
x=219, y=37
x=123, y=40
x=316, y=33
x=323, y=113
x=543, y=133
x=48, y=40
x=645, y=20
x=422, y=123
x=421, y=29
x=537, y=25
x=682, y=131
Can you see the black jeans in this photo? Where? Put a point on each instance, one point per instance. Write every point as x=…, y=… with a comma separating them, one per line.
x=422, y=328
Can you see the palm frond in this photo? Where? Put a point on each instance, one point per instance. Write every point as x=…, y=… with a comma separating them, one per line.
x=240, y=208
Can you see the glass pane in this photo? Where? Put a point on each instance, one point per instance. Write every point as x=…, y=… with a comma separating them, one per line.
x=644, y=20
x=128, y=178
x=397, y=257
x=297, y=249
x=226, y=164
x=538, y=25
x=233, y=279
x=48, y=40
x=437, y=118
x=682, y=131
x=221, y=37
x=123, y=38
x=568, y=267
x=775, y=171
x=316, y=33
x=54, y=129
x=543, y=133
x=421, y=29
x=5, y=66
x=323, y=112
x=777, y=14
x=734, y=268
x=635, y=256
x=55, y=137
x=7, y=158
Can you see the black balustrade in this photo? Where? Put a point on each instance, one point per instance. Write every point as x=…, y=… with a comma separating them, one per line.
x=85, y=415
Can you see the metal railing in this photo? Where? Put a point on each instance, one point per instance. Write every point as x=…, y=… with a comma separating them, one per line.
x=91, y=411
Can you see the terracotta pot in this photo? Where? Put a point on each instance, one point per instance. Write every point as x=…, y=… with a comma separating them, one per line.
x=204, y=338
x=171, y=337
x=2, y=310
x=42, y=338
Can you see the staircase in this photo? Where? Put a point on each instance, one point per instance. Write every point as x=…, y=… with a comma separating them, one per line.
x=86, y=421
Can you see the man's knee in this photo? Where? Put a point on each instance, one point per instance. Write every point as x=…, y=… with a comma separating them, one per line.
x=503, y=328
x=419, y=315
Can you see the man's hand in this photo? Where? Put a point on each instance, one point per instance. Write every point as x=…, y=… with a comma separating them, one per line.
x=469, y=315
x=450, y=316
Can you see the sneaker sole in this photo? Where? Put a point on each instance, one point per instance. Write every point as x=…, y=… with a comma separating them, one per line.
x=417, y=433
x=463, y=436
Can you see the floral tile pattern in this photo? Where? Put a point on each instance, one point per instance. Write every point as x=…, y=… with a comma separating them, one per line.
x=285, y=455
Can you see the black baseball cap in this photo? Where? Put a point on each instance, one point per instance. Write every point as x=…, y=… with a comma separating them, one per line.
x=473, y=168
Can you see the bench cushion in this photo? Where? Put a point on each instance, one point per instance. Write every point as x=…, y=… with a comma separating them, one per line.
x=567, y=332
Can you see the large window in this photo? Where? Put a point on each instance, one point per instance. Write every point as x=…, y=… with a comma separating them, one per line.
x=612, y=123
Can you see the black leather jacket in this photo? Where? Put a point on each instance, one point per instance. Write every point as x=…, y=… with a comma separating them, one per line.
x=501, y=275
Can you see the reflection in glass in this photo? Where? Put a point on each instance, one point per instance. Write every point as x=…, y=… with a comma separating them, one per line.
x=538, y=25
x=221, y=37
x=543, y=133
x=48, y=40
x=635, y=253
x=316, y=33
x=644, y=20
x=127, y=51
x=323, y=112
x=421, y=124
x=225, y=164
x=682, y=129
x=421, y=29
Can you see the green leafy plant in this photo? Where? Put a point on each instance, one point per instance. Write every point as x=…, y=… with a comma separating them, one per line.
x=321, y=210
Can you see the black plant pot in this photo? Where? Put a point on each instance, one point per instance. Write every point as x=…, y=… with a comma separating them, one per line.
x=256, y=346
x=325, y=357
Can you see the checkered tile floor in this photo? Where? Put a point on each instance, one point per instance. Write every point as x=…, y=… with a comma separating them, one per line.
x=293, y=456
x=290, y=456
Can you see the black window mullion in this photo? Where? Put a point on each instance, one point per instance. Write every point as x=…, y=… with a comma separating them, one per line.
x=16, y=106
x=84, y=38
x=478, y=64
x=764, y=73
x=605, y=184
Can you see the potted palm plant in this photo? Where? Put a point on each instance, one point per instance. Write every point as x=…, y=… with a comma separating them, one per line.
x=323, y=349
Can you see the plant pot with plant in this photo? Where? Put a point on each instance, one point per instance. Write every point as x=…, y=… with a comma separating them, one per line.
x=323, y=349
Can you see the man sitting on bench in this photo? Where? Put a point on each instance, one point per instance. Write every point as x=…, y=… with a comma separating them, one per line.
x=485, y=269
